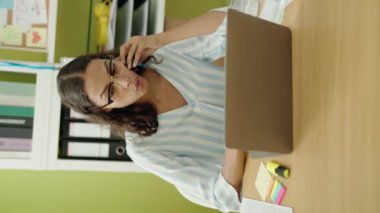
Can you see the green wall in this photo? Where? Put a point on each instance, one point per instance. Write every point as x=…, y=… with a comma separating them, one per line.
x=94, y=192
x=185, y=9
x=73, y=20
x=22, y=55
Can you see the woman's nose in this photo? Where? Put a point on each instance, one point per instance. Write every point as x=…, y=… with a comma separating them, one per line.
x=123, y=77
x=122, y=80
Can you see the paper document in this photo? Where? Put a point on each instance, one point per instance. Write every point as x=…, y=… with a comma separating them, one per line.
x=22, y=14
x=246, y=6
x=255, y=206
x=274, y=10
x=39, y=12
x=263, y=182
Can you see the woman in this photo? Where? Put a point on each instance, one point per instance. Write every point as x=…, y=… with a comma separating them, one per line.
x=171, y=106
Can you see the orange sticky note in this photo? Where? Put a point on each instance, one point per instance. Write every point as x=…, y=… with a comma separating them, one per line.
x=36, y=37
x=263, y=182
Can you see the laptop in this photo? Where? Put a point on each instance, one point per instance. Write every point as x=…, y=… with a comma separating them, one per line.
x=258, y=108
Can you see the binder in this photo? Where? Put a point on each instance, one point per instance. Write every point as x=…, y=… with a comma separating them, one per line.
x=11, y=100
x=83, y=140
x=140, y=18
x=124, y=23
x=17, y=89
x=15, y=121
x=156, y=16
x=14, y=132
x=17, y=111
x=94, y=150
x=77, y=115
x=80, y=149
x=15, y=155
x=17, y=101
x=111, y=27
x=15, y=144
x=89, y=130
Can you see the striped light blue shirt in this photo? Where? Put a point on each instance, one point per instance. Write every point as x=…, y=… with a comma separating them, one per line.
x=188, y=148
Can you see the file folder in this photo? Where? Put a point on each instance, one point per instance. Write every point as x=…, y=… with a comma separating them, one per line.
x=83, y=140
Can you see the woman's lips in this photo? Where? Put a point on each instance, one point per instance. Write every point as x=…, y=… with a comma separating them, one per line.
x=138, y=84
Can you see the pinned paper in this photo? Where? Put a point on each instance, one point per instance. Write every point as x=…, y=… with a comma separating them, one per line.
x=3, y=17
x=22, y=14
x=264, y=182
x=11, y=35
x=36, y=37
x=40, y=14
x=27, y=12
x=6, y=4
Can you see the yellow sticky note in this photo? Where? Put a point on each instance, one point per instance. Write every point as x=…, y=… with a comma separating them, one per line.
x=11, y=35
x=36, y=37
x=263, y=181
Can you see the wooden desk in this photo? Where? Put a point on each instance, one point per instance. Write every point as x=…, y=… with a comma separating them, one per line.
x=336, y=104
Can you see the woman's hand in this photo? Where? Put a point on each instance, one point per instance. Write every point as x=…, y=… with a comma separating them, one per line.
x=138, y=48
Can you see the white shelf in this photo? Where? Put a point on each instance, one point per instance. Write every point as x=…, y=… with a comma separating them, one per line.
x=46, y=124
x=41, y=120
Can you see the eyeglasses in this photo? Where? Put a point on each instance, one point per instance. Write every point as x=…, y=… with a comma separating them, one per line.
x=111, y=71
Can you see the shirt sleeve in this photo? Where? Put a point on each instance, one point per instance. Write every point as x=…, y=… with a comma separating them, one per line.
x=198, y=180
x=208, y=47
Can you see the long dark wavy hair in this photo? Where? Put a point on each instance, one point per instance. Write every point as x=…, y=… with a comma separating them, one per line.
x=136, y=118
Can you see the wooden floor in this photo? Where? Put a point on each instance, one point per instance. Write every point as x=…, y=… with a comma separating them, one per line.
x=335, y=165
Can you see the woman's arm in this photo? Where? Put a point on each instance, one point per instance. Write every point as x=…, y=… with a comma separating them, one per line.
x=204, y=24
x=139, y=47
x=233, y=167
x=198, y=179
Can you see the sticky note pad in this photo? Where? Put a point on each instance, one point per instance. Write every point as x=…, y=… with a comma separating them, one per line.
x=278, y=192
x=281, y=195
x=11, y=35
x=263, y=182
x=36, y=37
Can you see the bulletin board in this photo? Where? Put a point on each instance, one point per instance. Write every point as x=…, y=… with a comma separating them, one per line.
x=24, y=24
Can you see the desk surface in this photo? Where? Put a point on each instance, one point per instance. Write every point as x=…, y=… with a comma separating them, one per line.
x=336, y=101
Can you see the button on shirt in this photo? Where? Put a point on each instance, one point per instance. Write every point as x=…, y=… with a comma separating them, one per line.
x=188, y=148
